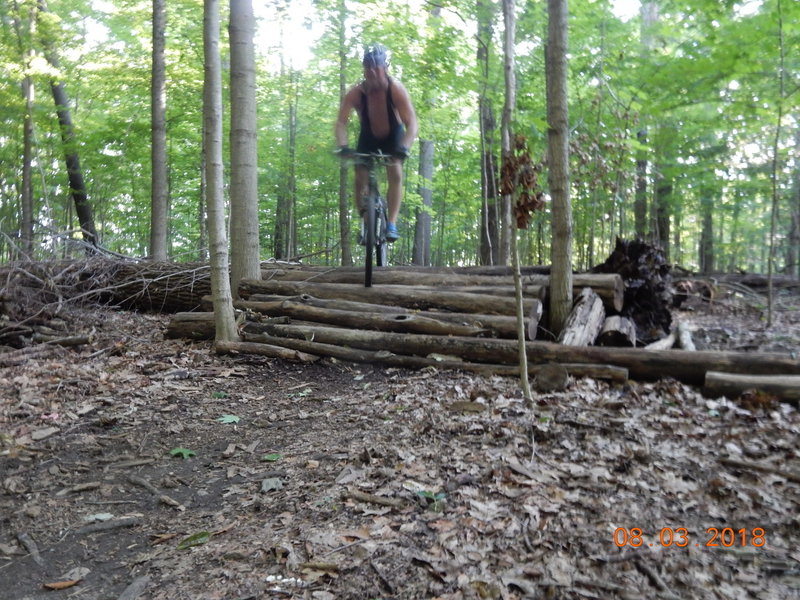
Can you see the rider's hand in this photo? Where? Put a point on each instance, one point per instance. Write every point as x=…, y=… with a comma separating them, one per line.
x=401, y=153
x=344, y=151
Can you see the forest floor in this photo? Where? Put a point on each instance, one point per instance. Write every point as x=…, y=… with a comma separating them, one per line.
x=139, y=467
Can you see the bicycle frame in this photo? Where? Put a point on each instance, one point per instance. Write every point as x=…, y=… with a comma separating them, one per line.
x=374, y=213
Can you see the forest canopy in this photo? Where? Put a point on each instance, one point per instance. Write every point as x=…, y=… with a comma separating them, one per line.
x=683, y=124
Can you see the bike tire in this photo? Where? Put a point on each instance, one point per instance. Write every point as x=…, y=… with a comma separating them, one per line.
x=369, y=230
x=381, y=245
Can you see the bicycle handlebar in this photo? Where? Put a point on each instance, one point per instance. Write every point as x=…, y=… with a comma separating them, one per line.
x=367, y=158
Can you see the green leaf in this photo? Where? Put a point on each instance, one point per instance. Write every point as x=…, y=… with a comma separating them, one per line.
x=219, y=395
x=196, y=539
x=229, y=419
x=182, y=452
x=272, y=457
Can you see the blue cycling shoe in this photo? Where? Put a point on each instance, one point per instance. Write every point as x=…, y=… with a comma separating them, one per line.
x=391, y=233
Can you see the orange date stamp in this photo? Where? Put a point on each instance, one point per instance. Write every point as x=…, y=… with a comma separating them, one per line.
x=715, y=537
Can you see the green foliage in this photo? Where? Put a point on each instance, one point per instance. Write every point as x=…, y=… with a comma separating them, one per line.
x=706, y=92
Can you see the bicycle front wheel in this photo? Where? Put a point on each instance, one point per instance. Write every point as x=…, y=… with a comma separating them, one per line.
x=381, y=245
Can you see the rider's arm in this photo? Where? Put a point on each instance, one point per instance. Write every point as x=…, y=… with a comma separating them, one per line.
x=347, y=106
x=402, y=102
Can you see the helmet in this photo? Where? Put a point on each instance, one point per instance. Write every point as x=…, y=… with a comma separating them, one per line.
x=375, y=55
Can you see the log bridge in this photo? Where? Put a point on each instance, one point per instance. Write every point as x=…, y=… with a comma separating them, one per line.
x=466, y=320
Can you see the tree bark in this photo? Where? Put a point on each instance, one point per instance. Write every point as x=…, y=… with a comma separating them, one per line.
x=77, y=186
x=422, y=225
x=558, y=156
x=490, y=239
x=245, y=251
x=344, y=196
x=159, y=188
x=225, y=323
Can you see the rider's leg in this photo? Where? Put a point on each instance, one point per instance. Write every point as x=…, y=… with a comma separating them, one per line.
x=394, y=194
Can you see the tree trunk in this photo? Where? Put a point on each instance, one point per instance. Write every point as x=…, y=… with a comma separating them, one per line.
x=422, y=229
x=558, y=175
x=225, y=323
x=245, y=252
x=77, y=185
x=26, y=191
x=490, y=242
x=344, y=195
x=706, y=257
x=159, y=188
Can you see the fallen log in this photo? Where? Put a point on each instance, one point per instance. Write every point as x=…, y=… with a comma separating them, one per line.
x=399, y=322
x=688, y=367
x=264, y=350
x=617, y=331
x=609, y=286
x=785, y=387
x=585, y=321
x=606, y=372
x=409, y=297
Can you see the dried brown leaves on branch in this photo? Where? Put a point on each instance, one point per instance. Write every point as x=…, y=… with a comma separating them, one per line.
x=519, y=179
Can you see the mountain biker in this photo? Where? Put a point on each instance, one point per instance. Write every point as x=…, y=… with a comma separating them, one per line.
x=388, y=124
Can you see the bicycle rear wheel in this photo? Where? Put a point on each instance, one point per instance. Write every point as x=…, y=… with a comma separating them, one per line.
x=369, y=238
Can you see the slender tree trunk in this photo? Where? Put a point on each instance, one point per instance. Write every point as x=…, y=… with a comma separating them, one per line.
x=224, y=320
x=490, y=239
x=793, y=250
x=422, y=229
x=776, y=160
x=707, y=234
x=509, y=106
x=159, y=197
x=77, y=186
x=26, y=192
x=558, y=174
x=344, y=195
x=245, y=252
x=662, y=210
x=649, y=19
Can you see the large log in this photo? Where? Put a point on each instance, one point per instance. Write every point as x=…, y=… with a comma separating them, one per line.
x=689, y=367
x=399, y=322
x=407, y=296
x=786, y=387
x=585, y=321
x=609, y=286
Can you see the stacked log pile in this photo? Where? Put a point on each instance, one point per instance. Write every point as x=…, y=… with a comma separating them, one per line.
x=457, y=320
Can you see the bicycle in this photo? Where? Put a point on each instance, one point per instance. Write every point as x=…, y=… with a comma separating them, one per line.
x=374, y=215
